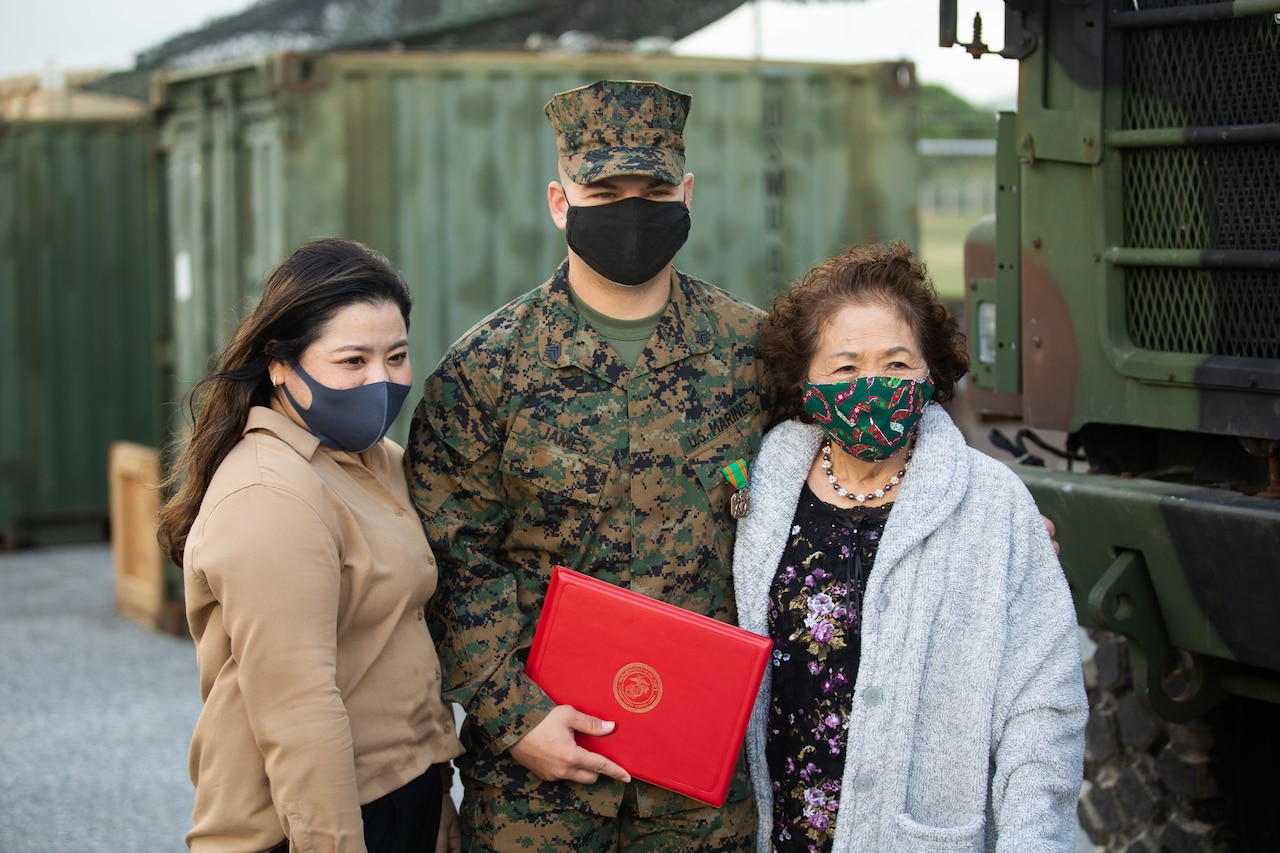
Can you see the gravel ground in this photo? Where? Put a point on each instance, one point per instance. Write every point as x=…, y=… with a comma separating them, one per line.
x=96, y=715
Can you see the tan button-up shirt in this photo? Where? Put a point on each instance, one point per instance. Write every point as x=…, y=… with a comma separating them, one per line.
x=306, y=573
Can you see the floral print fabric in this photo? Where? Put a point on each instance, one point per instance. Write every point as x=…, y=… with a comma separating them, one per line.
x=815, y=620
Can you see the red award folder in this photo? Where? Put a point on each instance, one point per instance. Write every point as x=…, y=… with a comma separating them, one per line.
x=679, y=686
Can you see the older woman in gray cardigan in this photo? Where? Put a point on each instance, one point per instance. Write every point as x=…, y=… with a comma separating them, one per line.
x=925, y=691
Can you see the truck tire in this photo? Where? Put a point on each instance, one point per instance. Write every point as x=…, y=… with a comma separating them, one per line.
x=1207, y=786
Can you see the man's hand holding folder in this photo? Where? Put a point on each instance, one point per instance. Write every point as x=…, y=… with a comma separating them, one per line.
x=682, y=686
x=552, y=753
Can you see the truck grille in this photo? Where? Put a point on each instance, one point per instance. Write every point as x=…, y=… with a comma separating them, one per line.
x=1219, y=312
x=1203, y=74
x=1204, y=196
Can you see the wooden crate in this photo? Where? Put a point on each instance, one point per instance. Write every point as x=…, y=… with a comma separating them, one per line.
x=134, y=475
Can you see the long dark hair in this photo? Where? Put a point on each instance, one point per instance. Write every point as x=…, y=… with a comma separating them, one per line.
x=300, y=297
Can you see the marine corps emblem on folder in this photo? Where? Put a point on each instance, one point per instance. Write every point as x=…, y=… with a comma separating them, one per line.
x=637, y=687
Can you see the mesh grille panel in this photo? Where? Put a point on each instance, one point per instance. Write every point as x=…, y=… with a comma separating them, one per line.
x=1206, y=74
x=1209, y=197
x=1203, y=197
x=1226, y=313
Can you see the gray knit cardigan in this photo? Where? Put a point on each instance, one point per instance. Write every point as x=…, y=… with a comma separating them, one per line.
x=967, y=726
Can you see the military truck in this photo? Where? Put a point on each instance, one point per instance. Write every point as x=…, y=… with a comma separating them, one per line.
x=1126, y=294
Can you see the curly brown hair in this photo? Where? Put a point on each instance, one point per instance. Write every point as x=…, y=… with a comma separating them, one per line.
x=887, y=274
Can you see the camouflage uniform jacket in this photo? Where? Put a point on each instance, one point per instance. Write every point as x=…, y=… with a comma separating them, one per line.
x=534, y=445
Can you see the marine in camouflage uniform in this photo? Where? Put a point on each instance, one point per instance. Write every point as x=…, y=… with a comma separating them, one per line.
x=535, y=444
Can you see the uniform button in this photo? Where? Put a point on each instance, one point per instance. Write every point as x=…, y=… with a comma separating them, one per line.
x=862, y=783
x=873, y=695
x=882, y=603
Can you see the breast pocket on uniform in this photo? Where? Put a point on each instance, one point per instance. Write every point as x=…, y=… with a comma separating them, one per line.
x=552, y=460
x=730, y=435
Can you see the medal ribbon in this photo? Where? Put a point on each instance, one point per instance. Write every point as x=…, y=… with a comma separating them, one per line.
x=736, y=473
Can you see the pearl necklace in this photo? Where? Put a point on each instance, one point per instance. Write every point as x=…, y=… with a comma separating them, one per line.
x=844, y=493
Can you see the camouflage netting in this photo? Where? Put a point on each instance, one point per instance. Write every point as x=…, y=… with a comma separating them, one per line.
x=275, y=25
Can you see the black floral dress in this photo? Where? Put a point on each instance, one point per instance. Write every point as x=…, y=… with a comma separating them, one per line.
x=815, y=619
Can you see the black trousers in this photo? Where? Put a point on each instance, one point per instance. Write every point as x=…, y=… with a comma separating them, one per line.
x=405, y=821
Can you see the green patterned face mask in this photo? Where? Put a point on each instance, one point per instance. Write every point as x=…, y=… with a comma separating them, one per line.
x=870, y=417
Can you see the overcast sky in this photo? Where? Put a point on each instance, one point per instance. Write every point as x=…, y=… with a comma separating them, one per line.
x=37, y=36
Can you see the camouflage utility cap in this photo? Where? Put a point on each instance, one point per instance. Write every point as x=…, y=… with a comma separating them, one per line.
x=620, y=127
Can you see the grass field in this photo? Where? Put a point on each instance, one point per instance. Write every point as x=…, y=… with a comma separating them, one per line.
x=942, y=249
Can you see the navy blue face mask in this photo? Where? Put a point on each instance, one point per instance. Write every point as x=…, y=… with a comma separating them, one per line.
x=352, y=419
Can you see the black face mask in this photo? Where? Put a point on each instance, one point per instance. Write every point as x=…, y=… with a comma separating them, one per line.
x=628, y=241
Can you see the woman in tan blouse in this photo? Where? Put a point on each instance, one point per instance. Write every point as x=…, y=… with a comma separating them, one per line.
x=306, y=574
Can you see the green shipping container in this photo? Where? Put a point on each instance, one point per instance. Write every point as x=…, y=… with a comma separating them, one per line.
x=441, y=161
x=80, y=313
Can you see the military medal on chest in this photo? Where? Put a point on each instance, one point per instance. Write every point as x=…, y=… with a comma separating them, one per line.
x=740, y=501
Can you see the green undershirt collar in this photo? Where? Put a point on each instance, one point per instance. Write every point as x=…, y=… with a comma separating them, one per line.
x=627, y=337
